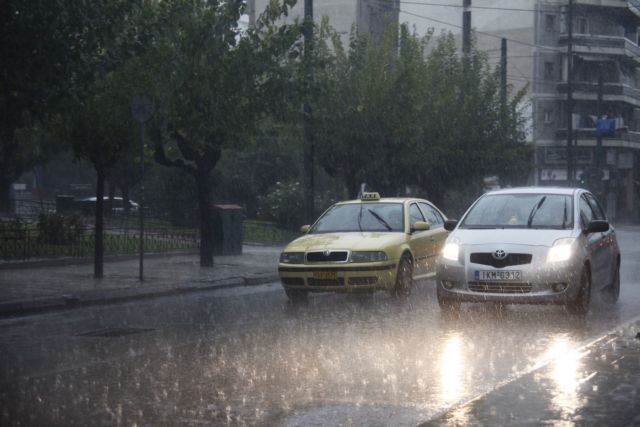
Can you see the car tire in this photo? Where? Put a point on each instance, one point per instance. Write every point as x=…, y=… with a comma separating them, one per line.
x=581, y=304
x=404, y=277
x=612, y=292
x=296, y=295
x=448, y=304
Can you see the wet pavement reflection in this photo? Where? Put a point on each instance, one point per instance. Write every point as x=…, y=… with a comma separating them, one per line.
x=247, y=356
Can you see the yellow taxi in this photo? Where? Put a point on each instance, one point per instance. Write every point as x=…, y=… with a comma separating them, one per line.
x=364, y=245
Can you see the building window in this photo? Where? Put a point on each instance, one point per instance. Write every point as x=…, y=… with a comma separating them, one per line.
x=548, y=71
x=582, y=26
x=549, y=22
x=548, y=116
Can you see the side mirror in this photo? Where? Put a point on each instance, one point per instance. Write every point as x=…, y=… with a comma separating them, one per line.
x=305, y=229
x=420, y=226
x=597, y=226
x=450, y=224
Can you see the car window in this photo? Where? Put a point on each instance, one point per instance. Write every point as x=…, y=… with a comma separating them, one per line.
x=598, y=212
x=521, y=211
x=432, y=215
x=414, y=214
x=361, y=217
x=586, y=213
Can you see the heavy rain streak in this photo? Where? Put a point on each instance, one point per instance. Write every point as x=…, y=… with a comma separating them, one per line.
x=248, y=356
x=319, y=213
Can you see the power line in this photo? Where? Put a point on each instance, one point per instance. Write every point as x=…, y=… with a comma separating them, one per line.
x=418, y=3
x=480, y=32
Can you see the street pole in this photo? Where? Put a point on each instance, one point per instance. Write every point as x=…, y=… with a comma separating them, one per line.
x=466, y=26
x=598, y=159
x=141, y=110
x=570, y=166
x=503, y=77
x=308, y=149
x=141, y=207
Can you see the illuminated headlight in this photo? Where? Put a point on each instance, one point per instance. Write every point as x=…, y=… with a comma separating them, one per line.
x=292, y=257
x=451, y=251
x=561, y=250
x=368, y=256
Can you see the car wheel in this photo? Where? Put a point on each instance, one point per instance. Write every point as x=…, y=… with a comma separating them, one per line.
x=612, y=292
x=445, y=303
x=581, y=304
x=296, y=295
x=404, y=277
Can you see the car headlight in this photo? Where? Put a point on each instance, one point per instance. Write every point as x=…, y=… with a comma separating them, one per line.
x=368, y=256
x=561, y=250
x=451, y=251
x=292, y=257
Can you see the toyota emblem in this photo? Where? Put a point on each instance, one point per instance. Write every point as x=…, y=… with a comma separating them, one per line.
x=327, y=253
x=499, y=254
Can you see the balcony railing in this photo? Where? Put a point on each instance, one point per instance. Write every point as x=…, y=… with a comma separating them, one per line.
x=604, y=45
x=609, y=90
x=620, y=135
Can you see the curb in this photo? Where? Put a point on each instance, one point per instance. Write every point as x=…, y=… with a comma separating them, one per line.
x=61, y=262
x=71, y=301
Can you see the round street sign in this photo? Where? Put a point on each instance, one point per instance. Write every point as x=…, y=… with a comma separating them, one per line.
x=141, y=108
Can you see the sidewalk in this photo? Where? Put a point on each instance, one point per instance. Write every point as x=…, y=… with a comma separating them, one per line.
x=40, y=288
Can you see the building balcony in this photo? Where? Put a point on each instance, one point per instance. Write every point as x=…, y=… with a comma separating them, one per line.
x=611, y=92
x=632, y=5
x=591, y=44
x=588, y=137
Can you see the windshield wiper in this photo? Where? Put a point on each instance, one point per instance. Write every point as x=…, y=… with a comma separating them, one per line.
x=379, y=218
x=534, y=210
x=564, y=217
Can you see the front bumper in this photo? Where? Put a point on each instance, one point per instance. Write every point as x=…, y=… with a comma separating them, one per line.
x=363, y=277
x=541, y=282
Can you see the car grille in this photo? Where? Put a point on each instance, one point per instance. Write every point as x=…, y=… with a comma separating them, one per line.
x=327, y=256
x=486, y=258
x=292, y=281
x=325, y=282
x=500, y=287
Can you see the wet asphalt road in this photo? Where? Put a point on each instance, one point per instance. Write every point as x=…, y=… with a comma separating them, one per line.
x=247, y=356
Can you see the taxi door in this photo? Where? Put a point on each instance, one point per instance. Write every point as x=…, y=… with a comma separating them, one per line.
x=437, y=234
x=420, y=241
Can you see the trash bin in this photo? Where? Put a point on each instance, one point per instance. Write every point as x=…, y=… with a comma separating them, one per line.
x=227, y=229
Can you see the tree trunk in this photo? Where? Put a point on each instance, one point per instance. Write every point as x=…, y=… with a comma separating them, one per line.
x=5, y=198
x=98, y=260
x=206, y=224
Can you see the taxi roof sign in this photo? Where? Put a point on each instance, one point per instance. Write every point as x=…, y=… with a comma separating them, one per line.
x=370, y=197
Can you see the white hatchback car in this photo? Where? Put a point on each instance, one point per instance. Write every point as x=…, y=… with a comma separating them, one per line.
x=530, y=245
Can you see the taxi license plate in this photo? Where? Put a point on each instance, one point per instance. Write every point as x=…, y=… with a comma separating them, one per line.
x=499, y=276
x=325, y=275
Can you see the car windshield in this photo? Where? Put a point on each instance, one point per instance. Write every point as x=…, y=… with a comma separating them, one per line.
x=361, y=217
x=521, y=211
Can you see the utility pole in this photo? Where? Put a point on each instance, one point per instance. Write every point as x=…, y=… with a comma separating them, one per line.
x=570, y=166
x=308, y=151
x=503, y=77
x=598, y=159
x=466, y=26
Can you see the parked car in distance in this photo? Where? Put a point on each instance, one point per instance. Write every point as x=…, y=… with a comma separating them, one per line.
x=364, y=245
x=530, y=245
x=89, y=205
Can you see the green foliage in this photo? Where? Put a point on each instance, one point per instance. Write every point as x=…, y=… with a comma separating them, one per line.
x=56, y=229
x=413, y=111
x=283, y=204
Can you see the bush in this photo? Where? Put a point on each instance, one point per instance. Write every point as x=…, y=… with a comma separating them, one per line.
x=56, y=229
x=283, y=205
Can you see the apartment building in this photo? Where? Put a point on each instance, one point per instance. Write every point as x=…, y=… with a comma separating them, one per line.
x=605, y=123
x=369, y=16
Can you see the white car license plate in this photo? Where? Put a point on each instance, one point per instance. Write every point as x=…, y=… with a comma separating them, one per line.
x=499, y=276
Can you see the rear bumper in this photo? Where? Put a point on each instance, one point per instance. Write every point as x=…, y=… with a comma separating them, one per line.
x=338, y=278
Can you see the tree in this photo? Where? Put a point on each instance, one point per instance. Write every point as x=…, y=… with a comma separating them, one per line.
x=215, y=77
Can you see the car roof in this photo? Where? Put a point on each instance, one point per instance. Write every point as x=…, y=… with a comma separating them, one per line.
x=383, y=200
x=537, y=190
